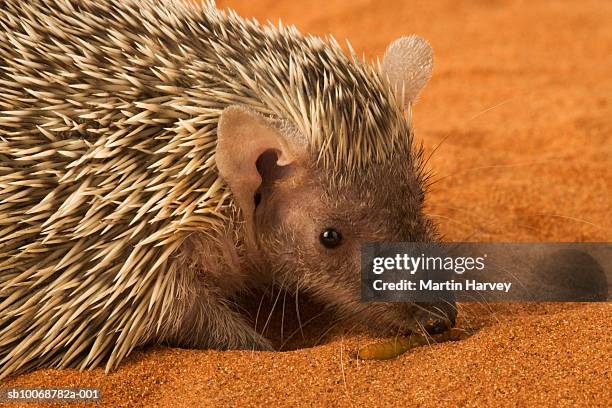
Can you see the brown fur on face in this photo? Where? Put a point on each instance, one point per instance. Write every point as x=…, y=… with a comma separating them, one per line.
x=293, y=211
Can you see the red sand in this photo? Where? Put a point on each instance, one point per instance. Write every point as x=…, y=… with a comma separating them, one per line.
x=521, y=105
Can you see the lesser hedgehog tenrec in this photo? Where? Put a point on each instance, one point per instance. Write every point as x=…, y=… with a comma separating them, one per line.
x=157, y=158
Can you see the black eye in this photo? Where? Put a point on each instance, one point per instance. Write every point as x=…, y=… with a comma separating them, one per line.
x=330, y=238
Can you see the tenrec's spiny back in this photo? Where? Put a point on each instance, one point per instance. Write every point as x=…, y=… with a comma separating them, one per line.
x=108, y=115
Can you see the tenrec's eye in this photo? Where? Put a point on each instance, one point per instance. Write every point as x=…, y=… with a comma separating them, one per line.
x=330, y=238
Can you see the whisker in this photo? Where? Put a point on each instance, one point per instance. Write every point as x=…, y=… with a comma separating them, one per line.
x=494, y=166
x=567, y=217
x=341, y=318
x=428, y=337
x=349, y=330
x=483, y=302
x=490, y=109
x=435, y=149
x=342, y=366
x=465, y=224
x=304, y=325
x=443, y=312
x=504, y=102
x=283, y=315
x=259, y=310
x=442, y=316
x=280, y=290
x=330, y=328
x=480, y=228
x=297, y=309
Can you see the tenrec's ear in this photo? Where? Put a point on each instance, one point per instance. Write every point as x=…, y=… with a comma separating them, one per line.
x=407, y=65
x=242, y=137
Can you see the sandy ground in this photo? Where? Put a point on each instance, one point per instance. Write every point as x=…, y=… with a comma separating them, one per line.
x=520, y=105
